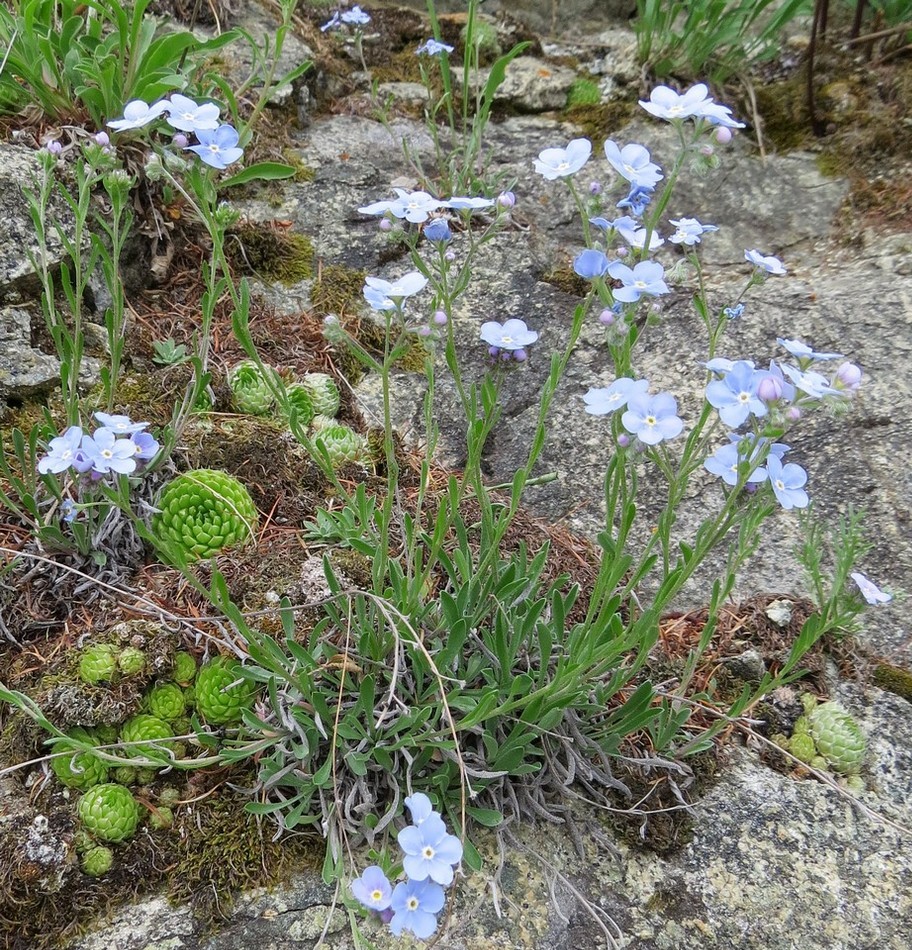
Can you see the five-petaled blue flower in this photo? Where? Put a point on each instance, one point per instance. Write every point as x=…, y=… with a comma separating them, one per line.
x=735, y=395
x=107, y=453
x=218, y=147
x=637, y=200
x=62, y=452
x=689, y=231
x=652, y=419
x=464, y=203
x=430, y=851
x=373, y=889
x=733, y=313
x=645, y=278
x=803, y=352
x=591, y=263
x=554, y=163
x=138, y=113
x=420, y=807
x=603, y=400
x=433, y=48
x=635, y=234
x=356, y=16
x=869, y=590
x=386, y=295
x=511, y=335
x=787, y=482
x=632, y=162
x=122, y=425
x=415, y=907
x=741, y=451
x=665, y=103
x=439, y=231
x=811, y=383
x=145, y=446
x=188, y=116
x=768, y=263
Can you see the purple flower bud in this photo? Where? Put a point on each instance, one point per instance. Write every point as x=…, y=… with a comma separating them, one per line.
x=723, y=135
x=849, y=375
x=450, y=256
x=751, y=487
x=493, y=351
x=506, y=356
x=440, y=318
x=621, y=251
x=386, y=225
x=424, y=331
x=180, y=140
x=623, y=441
x=520, y=355
x=386, y=915
x=595, y=187
x=506, y=199
x=53, y=147
x=794, y=414
x=707, y=150
x=102, y=139
x=606, y=317
x=769, y=389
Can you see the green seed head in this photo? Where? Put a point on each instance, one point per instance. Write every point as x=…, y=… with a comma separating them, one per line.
x=184, y=668
x=109, y=812
x=324, y=393
x=250, y=392
x=81, y=769
x=98, y=663
x=146, y=727
x=131, y=661
x=342, y=444
x=838, y=738
x=98, y=861
x=203, y=511
x=221, y=694
x=166, y=701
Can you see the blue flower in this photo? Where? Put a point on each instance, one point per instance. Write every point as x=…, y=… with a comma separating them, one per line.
x=665, y=103
x=439, y=231
x=869, y=590
x=120, y=424
x=188, y=116
x=332, y=23
x=645, y=278
x=689, y=230
x=138, y=113
x=145, y=446
x=733, y=313
x=107, y=453
x=415, y=206
x=512, y=335
x=433, y=48
x=632, y=162
x=727, y=459
x=218, y=147
x=415, y=907
x=603, y=224
x=652, y=419
x=373, y=889
x=735, y=395
x=356, y=16
x=554, y=163
x=461, y=203
x=802, y=351
x=811, y=383
x=405, y=286
x=591, y=263
x=769, y=264
x=637, y=200
x=430, y=851
x=606, y=399
x=62, y=452
x=787, y=482
x=635, y=234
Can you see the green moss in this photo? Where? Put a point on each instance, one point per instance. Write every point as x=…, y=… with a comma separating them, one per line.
x=303, y=172
x=599, y=120
x=894, y=679
x=583, y=92
x=270, y=253
x=337, y=289
x=567, y=280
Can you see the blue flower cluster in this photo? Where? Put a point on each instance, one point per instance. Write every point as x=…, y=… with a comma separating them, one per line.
x=217, y=144
x=429, y=854
x=118, y=446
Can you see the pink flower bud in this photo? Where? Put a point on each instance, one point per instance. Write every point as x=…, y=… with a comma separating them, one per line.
x=621, y=252
x=54, y=147
x=102, y=139
x=769, y=389
x=723, y=135
x=506, y=199
x=386, y=225
x=623, y=441
x=440, y=318
x=849, y=375
x=180, y=140
x=520, y=355
x=595, y=187
x=424, y=331
x=707, y=150
x=794, y=414
x=450, y=256
x=606, y=317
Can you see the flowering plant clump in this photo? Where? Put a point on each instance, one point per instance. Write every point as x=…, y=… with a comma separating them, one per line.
x=429, y=854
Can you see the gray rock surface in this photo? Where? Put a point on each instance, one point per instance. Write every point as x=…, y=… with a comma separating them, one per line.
x=24, y=370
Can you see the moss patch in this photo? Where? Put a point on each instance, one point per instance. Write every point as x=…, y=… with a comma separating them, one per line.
x=894, y=679
x=270, y=252
x=337, y=289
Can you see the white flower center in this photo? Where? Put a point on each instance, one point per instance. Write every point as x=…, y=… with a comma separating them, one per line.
x=629, y=168
x=506, y=339
x=428, y=853
x=780, y=484
x=66, y=454
x=640, y=284
x=676, y=110
x=562, y=165
x=377, y=895
x=744, y=397
x=412, y=903
x=650, y=420
x=214, y=148
x=189, y=116
x=107, y=453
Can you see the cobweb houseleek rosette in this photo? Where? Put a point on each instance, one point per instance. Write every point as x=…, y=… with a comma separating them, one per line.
x=250, y=392
x=204, y=511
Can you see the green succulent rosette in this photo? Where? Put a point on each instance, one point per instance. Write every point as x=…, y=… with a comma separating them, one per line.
x=342, y=444
x=221, y=694
x=203, y=511
x=98, y=664
x=109, y=812
x=131, y=661
x=250, y=393
x=81, y=769
x=184, y=668
x=167, y=701
x=324, y=393
x=299, y=399
x=144, y=728
x=161, y=818
x=837, y=737
x=98, y=861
